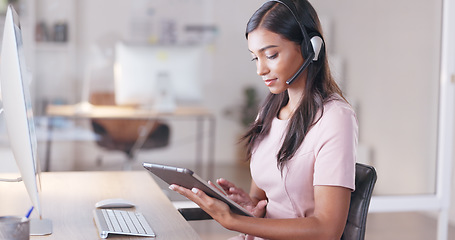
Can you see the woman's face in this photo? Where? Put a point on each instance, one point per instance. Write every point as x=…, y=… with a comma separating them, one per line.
x=277, y=59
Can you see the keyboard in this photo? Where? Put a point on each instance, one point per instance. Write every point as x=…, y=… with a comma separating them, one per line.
x=111, y=221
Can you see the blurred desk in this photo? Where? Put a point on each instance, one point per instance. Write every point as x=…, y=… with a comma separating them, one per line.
x=199, y=114
x=122, y=112
x=68, y=200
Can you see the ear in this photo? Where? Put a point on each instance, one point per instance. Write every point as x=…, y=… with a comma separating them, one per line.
x=316, y=42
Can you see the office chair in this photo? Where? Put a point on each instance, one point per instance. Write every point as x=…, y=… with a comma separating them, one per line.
x=365, y=179
x=126, y=135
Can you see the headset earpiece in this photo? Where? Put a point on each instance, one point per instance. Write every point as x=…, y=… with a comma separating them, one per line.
x=316, y=43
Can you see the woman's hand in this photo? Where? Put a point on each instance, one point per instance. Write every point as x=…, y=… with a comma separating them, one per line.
x=238, y=195
x=217, y=209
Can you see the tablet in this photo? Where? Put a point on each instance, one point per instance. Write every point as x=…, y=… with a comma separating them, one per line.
x=188, y=179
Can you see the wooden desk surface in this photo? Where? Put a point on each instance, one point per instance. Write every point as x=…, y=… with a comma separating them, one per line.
x=113, y=112
x=68, y=199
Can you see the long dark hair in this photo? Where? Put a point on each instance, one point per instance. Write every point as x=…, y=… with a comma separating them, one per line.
x=320, y=86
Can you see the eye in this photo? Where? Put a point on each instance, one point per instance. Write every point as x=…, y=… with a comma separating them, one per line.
x=254, y=59
x=273, y=56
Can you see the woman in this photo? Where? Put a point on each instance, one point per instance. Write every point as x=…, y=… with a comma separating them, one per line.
x=301, y=146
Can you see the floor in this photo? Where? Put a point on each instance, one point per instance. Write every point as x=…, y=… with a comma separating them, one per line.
x=380, y=226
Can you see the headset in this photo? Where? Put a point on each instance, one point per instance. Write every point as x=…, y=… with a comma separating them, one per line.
x=316, y=42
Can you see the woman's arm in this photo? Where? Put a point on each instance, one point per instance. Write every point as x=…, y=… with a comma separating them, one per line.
x=328, y=221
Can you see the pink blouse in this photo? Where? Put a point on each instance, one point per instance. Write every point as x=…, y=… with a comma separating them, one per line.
x=327, y=156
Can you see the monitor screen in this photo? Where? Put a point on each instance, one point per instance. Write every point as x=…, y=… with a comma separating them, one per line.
x=148, y=75
x=18, y=110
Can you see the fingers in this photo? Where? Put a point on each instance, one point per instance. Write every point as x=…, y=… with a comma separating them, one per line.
x=212, y=184
x=229, y=187
x=236, y=194
x=217, y=187
x=238, y=191
x=184, y=191
x=195, y=195
x=215, y=208
x=190, y=194
x=259, y=210
x=261, y=204
x=240, y=200
x=225, y=184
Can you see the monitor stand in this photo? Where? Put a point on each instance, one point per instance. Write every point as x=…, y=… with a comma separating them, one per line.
x=40, y=227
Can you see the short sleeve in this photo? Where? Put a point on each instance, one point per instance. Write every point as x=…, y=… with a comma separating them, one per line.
x=335, y=150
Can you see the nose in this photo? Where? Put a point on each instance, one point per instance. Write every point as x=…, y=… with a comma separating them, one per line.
x=261, y=68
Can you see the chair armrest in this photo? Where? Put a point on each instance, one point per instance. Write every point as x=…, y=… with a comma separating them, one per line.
x=191, y=214
x=190, y=210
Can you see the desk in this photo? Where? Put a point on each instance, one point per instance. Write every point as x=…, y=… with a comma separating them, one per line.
x=122, y=112
x=68, y=199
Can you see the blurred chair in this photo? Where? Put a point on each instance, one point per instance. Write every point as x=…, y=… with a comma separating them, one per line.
x=127, y=135
x=365, y=179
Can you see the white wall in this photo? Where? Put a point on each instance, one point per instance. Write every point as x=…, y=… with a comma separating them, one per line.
x=392, y=71
x=392, y=58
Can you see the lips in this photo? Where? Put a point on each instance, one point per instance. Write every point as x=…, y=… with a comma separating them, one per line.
x=269, y=82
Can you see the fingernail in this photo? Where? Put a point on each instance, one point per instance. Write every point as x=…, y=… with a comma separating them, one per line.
x=172, y=187
x=195, y=190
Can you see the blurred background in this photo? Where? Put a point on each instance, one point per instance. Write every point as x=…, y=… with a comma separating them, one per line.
x=385, y=55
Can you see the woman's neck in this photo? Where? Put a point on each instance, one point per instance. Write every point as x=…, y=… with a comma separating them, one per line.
x=295, y=94
x=285, y=113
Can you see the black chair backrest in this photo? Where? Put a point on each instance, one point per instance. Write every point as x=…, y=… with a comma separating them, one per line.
x=365, y=178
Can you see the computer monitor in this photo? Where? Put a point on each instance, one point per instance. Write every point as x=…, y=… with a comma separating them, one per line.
x=19, y=115
x=159, y=77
